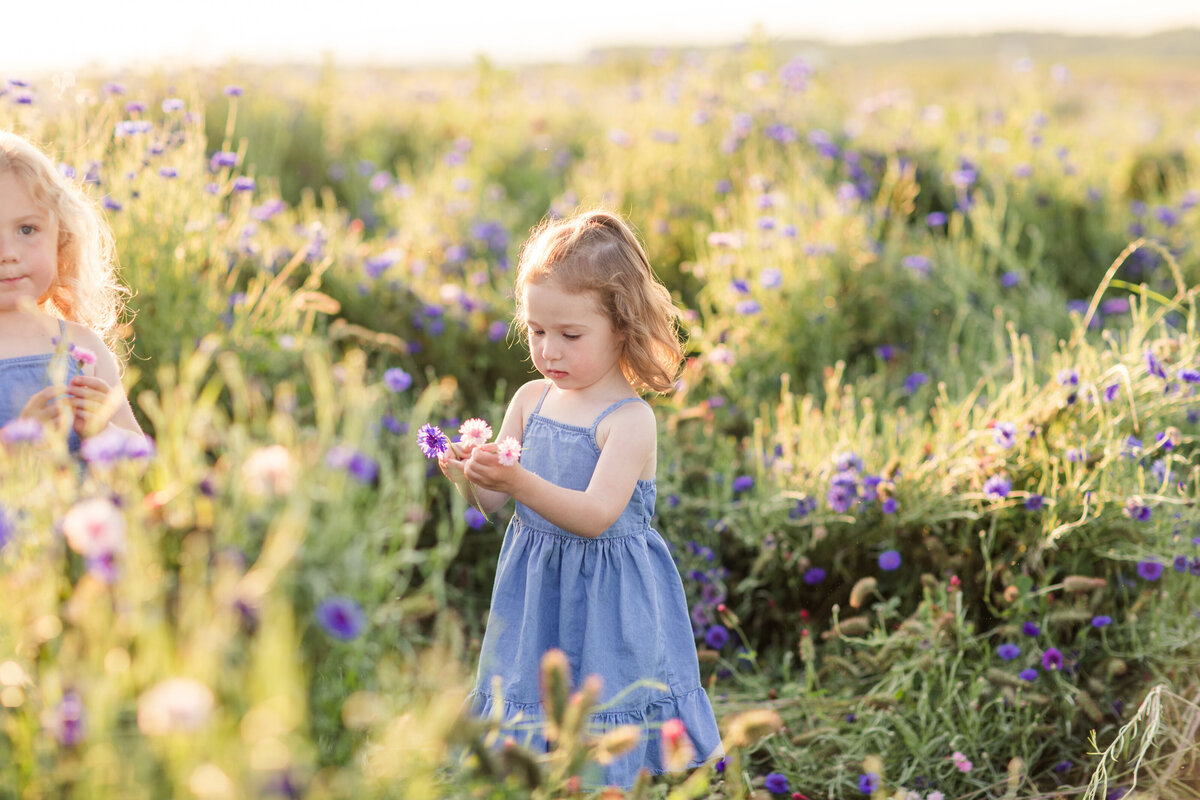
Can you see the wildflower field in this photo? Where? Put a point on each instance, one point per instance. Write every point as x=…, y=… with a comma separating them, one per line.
x=929, y=472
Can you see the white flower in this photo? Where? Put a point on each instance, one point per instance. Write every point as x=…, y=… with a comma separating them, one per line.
x=94, y=528
x=475, y=432
x=268, y=470
x=509, y=451
x=174, y=705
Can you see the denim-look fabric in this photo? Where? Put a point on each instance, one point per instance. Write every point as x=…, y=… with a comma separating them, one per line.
x=23, y=377
x=614, y=604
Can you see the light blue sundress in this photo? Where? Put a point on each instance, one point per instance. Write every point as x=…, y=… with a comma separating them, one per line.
x=24, y=376
x=614, y=604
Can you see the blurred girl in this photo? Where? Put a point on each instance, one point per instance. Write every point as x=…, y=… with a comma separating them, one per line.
x=59, y=301
x=580, y=568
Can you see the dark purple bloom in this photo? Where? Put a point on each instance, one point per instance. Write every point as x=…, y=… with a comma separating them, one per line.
x=432, y=441
x=1188, y=375
x=474, y=517
x=362, y=467
x=776, y=783
x=243, y=184
x=998, y=486
x=889, y=505
x=1010, y=279
x=397, y=379
x=742, y=482
x=889, y=560
x=1062, y=766
x=814, y=575
x=341, y=617
x=716, y=636
x=1005, y=434
x=7, y=528
x=172, y=104
x=1150, y=570
x=1068, y=377
x=68, y=719
x=804, y=506
x=222, y=158
x=1028, y=674
x=915, y=381
x=885, y=352
x=1031, y=629
x=840, y=496
x=1153, y=365
x=1008, y=651
x=1052, y=659
x=21, y=429
x=1137, y=510
x=1100, y=620
x=1110, y=392
x=935, y=218
x=1035, y=502
x=868, y=782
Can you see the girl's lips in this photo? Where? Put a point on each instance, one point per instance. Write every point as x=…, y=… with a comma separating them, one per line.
x=556, y=373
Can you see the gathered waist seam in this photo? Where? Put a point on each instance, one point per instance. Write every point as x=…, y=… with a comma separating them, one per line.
x=561, y=534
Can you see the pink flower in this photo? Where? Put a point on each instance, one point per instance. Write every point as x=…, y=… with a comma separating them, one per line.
x=475, y=432
x=94, y=528
x=961, y=762
x=509, y=451
x=677, y=749
x=83, y=355
x=174, y=705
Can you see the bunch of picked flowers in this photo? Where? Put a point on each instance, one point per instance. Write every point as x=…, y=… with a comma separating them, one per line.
x=433, y=442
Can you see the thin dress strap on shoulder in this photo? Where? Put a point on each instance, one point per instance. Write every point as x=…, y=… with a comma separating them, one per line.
x=542, y=399
x=62, y=328
x=613, y=408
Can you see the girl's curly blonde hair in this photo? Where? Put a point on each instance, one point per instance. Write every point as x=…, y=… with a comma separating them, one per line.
x=596, y=251
x=85, y=289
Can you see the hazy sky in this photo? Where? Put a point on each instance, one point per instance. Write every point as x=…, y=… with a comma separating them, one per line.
x=70, y=34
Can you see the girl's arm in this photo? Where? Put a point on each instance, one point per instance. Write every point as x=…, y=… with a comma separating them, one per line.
x=589, y=513
x=491, y=500
x=99, y=399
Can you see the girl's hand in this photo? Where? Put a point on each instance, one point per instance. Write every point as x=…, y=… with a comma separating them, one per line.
x=451, y=466
x=484, y=469
x=50, y=406
x=93, y=402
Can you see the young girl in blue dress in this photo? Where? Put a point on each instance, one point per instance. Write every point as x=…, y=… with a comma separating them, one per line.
x=581, y=569
x=59, y=302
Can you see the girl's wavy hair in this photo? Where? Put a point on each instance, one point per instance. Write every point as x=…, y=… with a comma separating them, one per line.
x=86, y=289
x=596, y=251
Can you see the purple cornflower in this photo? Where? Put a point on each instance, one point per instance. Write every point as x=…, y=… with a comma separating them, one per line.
x=889, y=505
x=1008, y=651
x=868, y=782
x=1005, y=434
x=915, y=381
x=432, y=441
x=935, y=218
x=1110, y=392
x=68, y=719
x=918, y=263
x=716, y=636
x=814, y=575
x=341, y=617
x=397, y=379
x=1100, y=620
x=1137, y=510
x=741, y=483
x=1153, y=365
x=1067, y=377
x=1010, y=279
x=362, y=467
x=1150, y=570
x=889, y=560
x=6, y=528
x=1188, y=375
x=172, y=104
x=1031, y=629
x=21, y=429
x=222, y=159
x=776, y=783
x=474, y=518
x=885, y=352
x=1052, y=659
x=243, y=184
x=998, y=486
x=1034, y=502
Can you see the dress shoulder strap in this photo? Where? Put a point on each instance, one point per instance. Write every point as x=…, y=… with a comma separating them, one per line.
x=62, y=328
x=542, y=399
x=613, y=408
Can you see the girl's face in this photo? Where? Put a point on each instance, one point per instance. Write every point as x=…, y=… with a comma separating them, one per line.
x=571, y=341
x=28, y=245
